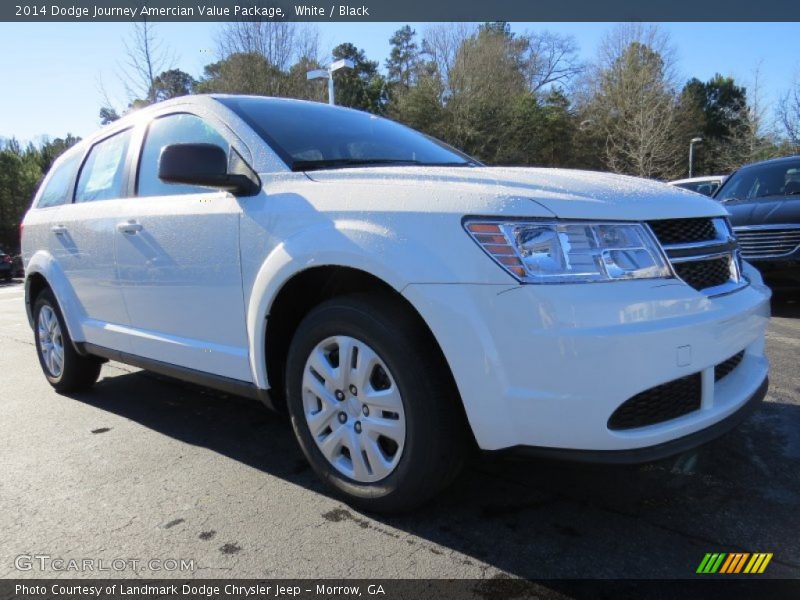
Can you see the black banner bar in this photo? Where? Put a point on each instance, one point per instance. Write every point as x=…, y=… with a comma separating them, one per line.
x=397, y=10
x=499, y=588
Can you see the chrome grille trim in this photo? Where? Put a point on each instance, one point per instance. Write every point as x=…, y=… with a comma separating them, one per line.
x=696, y=257
x=723, y=245
x=768, y=241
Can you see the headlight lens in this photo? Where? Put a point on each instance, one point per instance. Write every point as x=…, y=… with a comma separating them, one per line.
x=571, y=252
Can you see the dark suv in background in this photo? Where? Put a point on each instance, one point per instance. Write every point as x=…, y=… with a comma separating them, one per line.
x=764, y=201
x=6, y=266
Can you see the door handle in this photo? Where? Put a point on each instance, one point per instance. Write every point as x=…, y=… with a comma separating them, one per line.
x=58, y=229
x=129, y=227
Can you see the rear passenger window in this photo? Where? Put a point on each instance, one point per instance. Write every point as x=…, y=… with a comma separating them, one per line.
x=172, y=129
x=101, y=177
x=57, y=189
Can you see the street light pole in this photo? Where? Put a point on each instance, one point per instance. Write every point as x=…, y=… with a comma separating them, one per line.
x=344, y=63
x=692, y=142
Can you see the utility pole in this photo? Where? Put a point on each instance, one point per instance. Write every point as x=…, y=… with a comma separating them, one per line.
x=697, y=140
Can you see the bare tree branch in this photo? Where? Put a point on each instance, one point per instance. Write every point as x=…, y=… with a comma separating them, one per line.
x=633, y=102
x=789, y=113
x=282, y=43
x=441, y=44
x=548, y=58
x=146, y=57
x=754, y=139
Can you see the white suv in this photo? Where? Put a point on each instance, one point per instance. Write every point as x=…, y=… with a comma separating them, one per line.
x=401, y=301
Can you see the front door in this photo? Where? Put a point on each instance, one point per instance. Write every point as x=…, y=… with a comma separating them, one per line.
x=178, y=263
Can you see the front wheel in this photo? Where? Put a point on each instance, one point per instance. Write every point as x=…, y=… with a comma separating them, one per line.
x=64, y=368
x=372, y=404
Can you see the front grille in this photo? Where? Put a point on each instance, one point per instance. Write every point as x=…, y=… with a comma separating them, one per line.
x=661, y=403
x=768, y=242
x=702, y=274
x=724, y=368
x=684, y=231
x=702, y=251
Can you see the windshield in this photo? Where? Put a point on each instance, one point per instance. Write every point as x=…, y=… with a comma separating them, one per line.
x=759, y=181
x=311, y=135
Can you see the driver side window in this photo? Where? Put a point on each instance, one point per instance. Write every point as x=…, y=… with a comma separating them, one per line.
x=164, y=131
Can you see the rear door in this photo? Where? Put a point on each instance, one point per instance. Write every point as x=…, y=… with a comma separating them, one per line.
x=82, y=240
x=178, y=261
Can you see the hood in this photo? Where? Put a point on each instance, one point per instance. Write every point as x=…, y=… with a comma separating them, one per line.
x=567, y=194
x=777, y=210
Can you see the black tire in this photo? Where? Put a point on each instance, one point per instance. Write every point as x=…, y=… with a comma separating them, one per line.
x=78, y=372
x=435, y=435
x=8, y=278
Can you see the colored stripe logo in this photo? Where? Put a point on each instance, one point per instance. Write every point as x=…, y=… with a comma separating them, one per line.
x=734, y=562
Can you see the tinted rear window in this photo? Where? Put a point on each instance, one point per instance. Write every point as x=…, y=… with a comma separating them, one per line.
x=309, y=135
x=56, y=190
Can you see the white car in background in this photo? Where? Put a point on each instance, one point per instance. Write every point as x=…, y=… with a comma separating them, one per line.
x=706, y=185
x=398, y=299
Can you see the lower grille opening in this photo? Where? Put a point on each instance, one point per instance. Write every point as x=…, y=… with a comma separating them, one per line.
x=669, y=400
x=724, y=368
x=702, y=274
x=661, y=403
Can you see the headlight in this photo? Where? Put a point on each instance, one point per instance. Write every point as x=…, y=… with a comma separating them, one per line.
x=571, y=252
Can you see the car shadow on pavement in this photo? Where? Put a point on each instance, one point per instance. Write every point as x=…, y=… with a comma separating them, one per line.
x=531, y=518
x=786, y=305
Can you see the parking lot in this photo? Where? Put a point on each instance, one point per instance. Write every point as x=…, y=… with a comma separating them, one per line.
x=144, y=467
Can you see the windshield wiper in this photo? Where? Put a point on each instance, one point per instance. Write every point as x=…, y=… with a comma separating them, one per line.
x=340, y=163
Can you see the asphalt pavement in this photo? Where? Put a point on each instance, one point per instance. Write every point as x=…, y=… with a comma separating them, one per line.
x=145, y=468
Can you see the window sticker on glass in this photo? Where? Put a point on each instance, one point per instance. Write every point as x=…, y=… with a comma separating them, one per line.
x=101, y=175
x=105, y=166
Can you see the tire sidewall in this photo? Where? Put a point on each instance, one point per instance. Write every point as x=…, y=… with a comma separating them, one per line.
x=388, y=343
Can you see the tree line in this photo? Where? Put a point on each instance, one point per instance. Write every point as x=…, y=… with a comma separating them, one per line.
x=21, y=171
x=507, y=98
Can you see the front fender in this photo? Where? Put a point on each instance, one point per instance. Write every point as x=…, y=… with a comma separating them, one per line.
x=345, y=243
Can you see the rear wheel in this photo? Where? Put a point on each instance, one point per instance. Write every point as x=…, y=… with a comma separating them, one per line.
x=372, y=404
x=64, y=368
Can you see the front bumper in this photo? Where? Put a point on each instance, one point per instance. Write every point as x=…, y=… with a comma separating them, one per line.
x=546, y=366
x=650, y=453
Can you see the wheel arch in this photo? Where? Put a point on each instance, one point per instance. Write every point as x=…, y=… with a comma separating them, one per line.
x=304, y=290
x=34, y=284
x=43, y=272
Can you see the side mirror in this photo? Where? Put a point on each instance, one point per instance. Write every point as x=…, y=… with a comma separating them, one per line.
x=205, y=165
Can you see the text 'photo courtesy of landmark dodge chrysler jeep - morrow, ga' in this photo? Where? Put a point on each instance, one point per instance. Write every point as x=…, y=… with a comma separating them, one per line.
x=401, y=301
